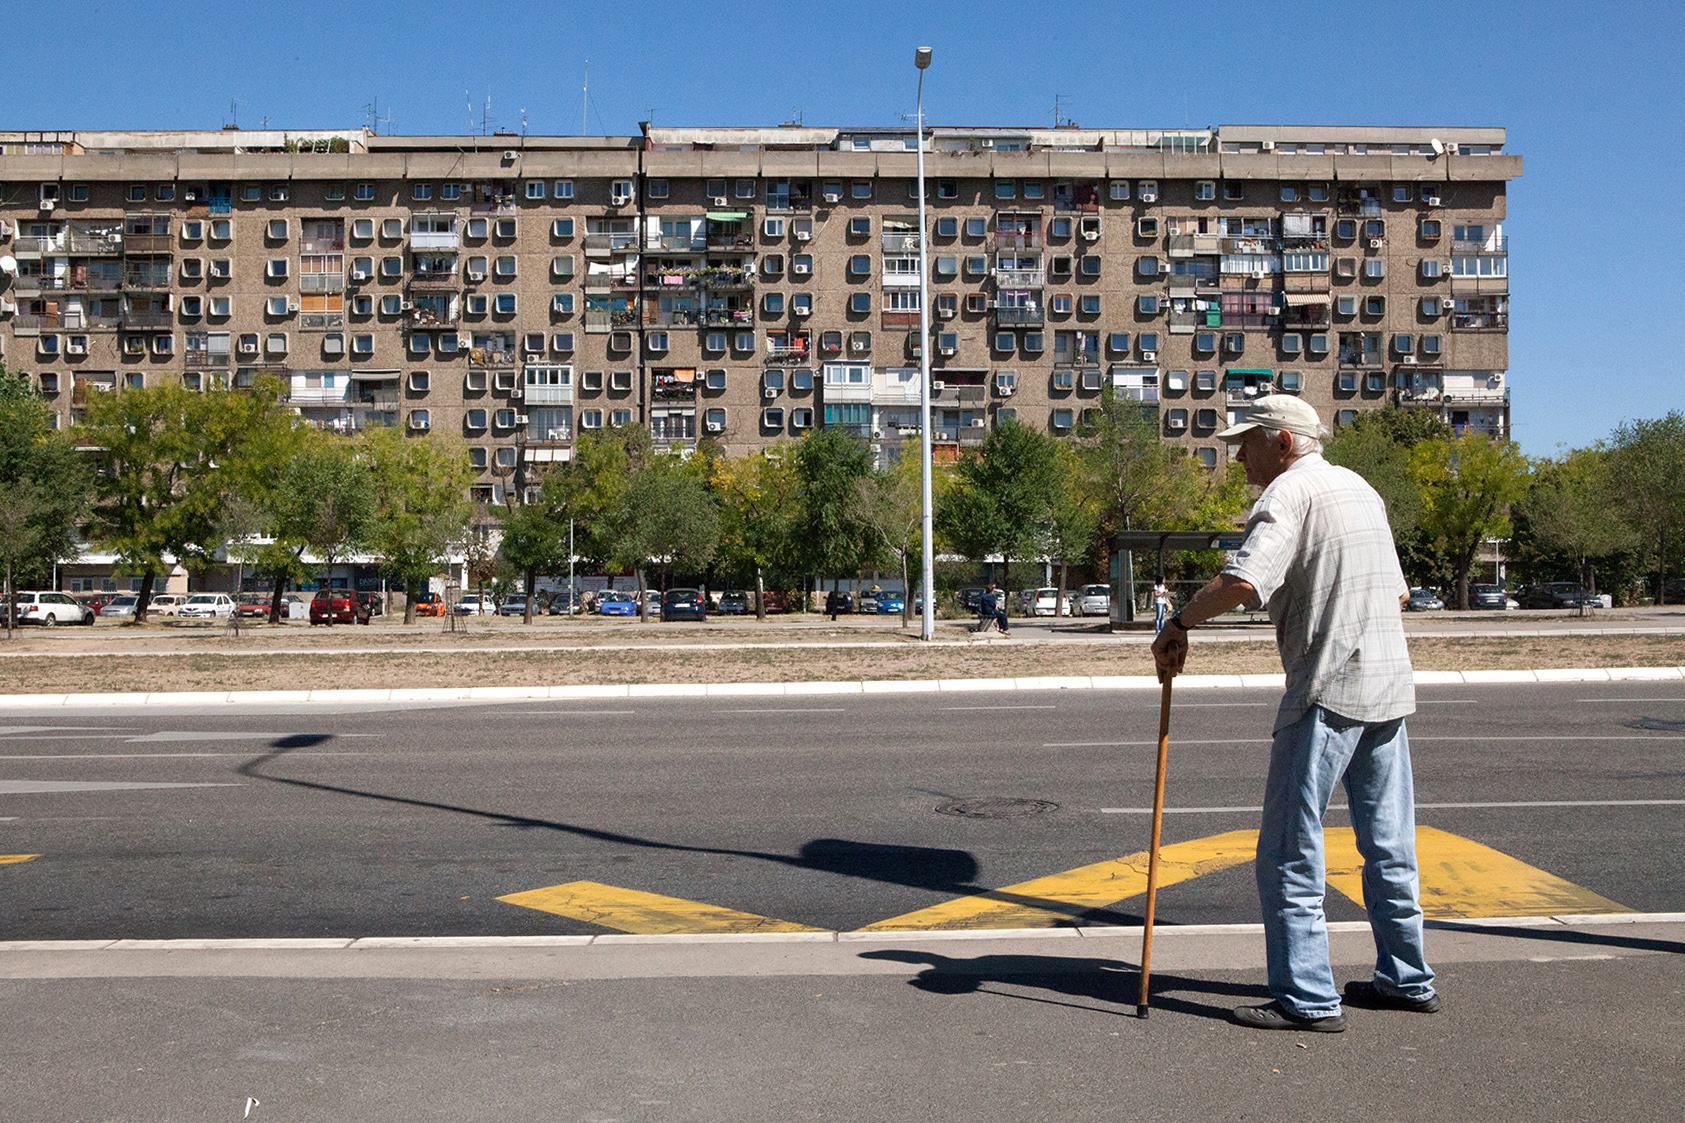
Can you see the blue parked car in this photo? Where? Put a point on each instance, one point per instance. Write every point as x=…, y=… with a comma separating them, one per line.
x=891, y=604
x=617, y=604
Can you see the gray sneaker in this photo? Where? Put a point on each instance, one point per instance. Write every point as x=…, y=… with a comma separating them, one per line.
x=1367, y=996
x=1274, y=1016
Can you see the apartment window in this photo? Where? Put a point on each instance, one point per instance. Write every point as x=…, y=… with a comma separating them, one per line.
x=562, y=228
x=861, y=265
x=221, y=230
x=277, y=267
x=221, y=307
x=562, y=189
x=391, y=229
x=1063, y=380
x=1118, y=342
x=504, y=266
x=1345, y=229
x=772, y=264
x=362, y=344
x=277, y=306
x=1430, y=267
x=772, y=417
x=505, y=228
x=1345, y=305
x=861, y=189
x=1430, y=229
x=1430, y=345
x=1289, y=380
x=1146, y=227
x=860, y=227
x=1375, y=382
x=1401, y=192
x=334, y=192
x=947, y=227
x=1059, y=228
x=1375, y=228
x=1374, y=306
x=535, y=189
x=192, y=230
x=419, y=419
x=1205, y=418
x=562, y=341
x=505, y=304
x=591, y=419
x=1147, y=304
x=249, y=193
x=419, y=343
x=745, y=189
x=620, y=380
x=1033, y=342
x=744, y=341
x=448, y=342
x=801, y=304
x=1005, y=341
x=192, y=305
x=1205, y=341
x=1205, y=189
x=503, y=418
x=362, y=305
x=1317, y=192
x=1234, y=189
x=1290, y=344
x=1146, y=266
x=1289, y=193
x=1177, y=419
x=1059, y=266
x=714, y=341
x=476, y=228
x=977, y=265
x=362, y=229
x=1205, y=380
x=860, y=302
x=277, y=230
x=1234, y=342
x=1346, y=380
x=192, y=268
x=276, y=343
x=1118, y=189
x=476, y=303
x=79, y=193
x=976, y=302
x=976, y=227
x=1319, y=344
x=391, y=268
x=1062, y=418
x=656, y=341
x=279, y=192
x=1148, y=341
x=1034, y=189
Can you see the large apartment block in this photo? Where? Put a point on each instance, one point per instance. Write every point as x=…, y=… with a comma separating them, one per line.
x=746, y=285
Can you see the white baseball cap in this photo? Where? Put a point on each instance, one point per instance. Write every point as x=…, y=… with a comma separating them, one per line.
x=1276, y=411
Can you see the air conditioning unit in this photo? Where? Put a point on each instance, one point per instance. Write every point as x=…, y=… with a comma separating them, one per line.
x=801, y=269
x=803, y=235
x=1432, y=200
x=1176, y=423
x=249, y=348
x=190, y=195
x=858, y=346
x=977, y=423
x=1091, y=235
x=832, y=197
x=1376, y=243
x=74, y=348
x=1149, y=196
x=714, y=426
x=619, y=200
x=1267, y=145
x=1149, y=356
x=803, y=309
x=718, y=200
x=521, y=419
x=946, y=351
x=360, y=275
x=1410, y=360
x=1452, y=148
x=292, y=306
x=406, y=305
x=769, y=392
x=508, y=155
x=937, y=386
x=471, y=275
x=946, y=313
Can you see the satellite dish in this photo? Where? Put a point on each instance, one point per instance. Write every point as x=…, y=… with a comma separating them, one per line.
x=1438, y=146
x=8, y=265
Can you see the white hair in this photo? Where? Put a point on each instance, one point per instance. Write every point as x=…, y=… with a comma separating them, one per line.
x=1302, y=445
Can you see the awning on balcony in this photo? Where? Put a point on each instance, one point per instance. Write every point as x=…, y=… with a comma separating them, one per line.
x=1296, y=299
x=727, y=216
x=546, y=455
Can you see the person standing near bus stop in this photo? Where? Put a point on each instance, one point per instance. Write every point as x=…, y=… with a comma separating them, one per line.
x=1319, y=554
x=1161, y=605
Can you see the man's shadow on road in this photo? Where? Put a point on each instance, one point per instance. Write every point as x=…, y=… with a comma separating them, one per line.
x=1089, y=980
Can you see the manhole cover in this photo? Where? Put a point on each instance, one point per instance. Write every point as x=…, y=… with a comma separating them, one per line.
x=995, y=808
x=1658, y=725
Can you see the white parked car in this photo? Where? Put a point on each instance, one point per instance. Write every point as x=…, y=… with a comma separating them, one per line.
x=1046, y=602
x=165, y=604
x=1094, y=600
x=50, y=610
x=475, y=604
x=208, y=605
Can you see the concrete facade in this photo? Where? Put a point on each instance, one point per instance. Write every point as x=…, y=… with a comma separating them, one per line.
x=745, y=285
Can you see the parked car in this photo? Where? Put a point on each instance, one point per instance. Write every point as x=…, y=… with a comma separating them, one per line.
x=254, y=604
x=165, y=604
x=971, y=600
x=515, y=606
x=1422, y=600
x=1094, y=600
x=429, y=604
x=684, y=604
x=774, y=602
x=1046, y=602
x=652, y=598
x=120, y=608
x=94, y=601
x=215, y=606
x=1489, y=596
x=49, y=609
x=339, y=606
x=1556, y=594
x=734, y=604
x=564, y=603
x=376, y=603
x=475, y=604
x=614, y=603
x=867, y=601
x=891, y=604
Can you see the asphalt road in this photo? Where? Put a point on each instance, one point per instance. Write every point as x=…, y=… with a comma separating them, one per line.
x=819, y=812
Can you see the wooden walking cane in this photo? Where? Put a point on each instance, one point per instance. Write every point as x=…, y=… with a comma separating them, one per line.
x=1141, y=1007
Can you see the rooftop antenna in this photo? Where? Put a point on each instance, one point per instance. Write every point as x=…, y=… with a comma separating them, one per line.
x=585, y=99
x=234, y=112
x=1059, y=117
x=796, y=115
x=523, y=124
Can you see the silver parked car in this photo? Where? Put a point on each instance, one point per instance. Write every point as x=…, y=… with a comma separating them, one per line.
x=1094, y=600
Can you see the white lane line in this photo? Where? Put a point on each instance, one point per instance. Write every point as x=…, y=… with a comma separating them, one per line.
x=1217, y=705
x=38, y=787
x=576, y=713
x=786, y=710
x=1419, y=806
x=70, y=737
x=12, y=730
x=1629, y=699
x=1000, y=707
x=1447, y=701
x=1413, y=739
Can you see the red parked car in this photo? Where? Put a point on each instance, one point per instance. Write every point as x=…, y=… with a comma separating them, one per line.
x=774, y=602
x=342, y=605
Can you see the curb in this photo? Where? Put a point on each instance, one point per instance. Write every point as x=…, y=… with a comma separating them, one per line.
x=798, y=689
x=449, y=943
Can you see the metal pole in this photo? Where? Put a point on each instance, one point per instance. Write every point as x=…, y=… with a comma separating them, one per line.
x=927, y=557
x=573, y=595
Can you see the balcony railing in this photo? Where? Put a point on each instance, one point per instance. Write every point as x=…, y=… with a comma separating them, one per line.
x=379, y=399
x=34, y=245
x=900, y=243
x=320, y=321
x=434, y=279
x=146, y=279
x=727, y=317
x=95, y=244
x=432, y=317
x=95, y=280
x=501, y=204
x=37, y=282
x=322, y=245
x=597, y=320
x=1018, y=240
x=1351, y=358
x=147, y=319
x=1496, y=244
x=1480, y=321
x=678, y=242
x=1019, y=278
x=548, y=395
x=672, y=318
x=435, y=240
x=546, y=436
x=1019, y=317
x=609, y=243
x=1359, y=206
x=488, y=357
x=723, y=240
x=202, y=359
x=1250, y=320
x=146, y=243
x=788, y=354
x=725, y=280
x=1179, y=245
x=321, y=282
x=1138, y=393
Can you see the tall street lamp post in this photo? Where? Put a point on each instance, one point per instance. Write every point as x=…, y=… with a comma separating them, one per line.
x=927, y=628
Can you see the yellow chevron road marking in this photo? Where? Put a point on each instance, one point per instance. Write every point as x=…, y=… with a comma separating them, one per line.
x=644, y=914
x=1049, y=902
x=1462, y=878
x=12, y=859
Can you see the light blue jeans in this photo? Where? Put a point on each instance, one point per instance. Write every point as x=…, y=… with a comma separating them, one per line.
x=1307, y=759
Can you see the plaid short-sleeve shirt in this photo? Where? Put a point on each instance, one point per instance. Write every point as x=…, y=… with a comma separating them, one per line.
x=1320, y=554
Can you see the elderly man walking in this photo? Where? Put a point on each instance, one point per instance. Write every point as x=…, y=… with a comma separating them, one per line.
x=1319, y=553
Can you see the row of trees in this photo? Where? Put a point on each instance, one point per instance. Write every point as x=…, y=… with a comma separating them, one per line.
x=199, y=476
x=1612, y=515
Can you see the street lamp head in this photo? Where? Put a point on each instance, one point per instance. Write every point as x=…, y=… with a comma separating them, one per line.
x=921, y=57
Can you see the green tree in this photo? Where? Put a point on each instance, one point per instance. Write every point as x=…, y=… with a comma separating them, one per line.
x=1075, y=516
x=325, y=505
x=19, y=502
x=1574, y=506
x=41, y=469
x=1468, y=484
x=169, y=459
x=535, y=534
x=1377, y=445
x=604, y=465
x=831, y=539
x=1006, y=494
x=759, y=495
x=421, y=504
x=1648, y=458
x=892, y=506
x=670, y=517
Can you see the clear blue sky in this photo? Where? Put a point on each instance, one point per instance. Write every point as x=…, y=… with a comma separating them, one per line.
x=1591, y=94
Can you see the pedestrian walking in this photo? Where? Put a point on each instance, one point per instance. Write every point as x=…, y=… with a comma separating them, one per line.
x=1161, y=606
x=1318, y=553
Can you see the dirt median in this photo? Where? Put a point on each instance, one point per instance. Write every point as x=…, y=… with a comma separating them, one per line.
x=844, y=657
